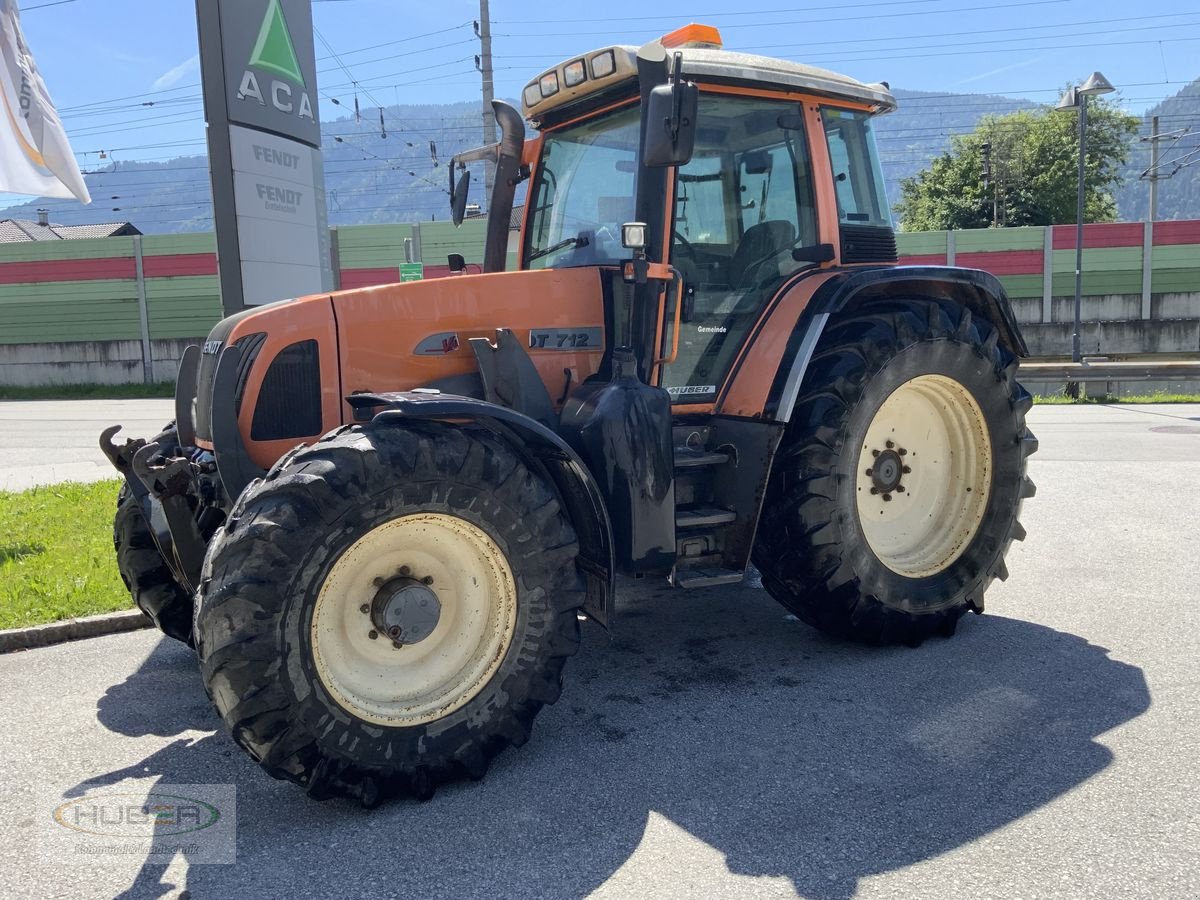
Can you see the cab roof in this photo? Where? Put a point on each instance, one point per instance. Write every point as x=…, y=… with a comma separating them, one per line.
x=748, y=69
x=706, y=63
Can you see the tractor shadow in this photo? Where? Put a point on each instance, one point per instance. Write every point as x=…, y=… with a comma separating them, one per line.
x=789, y=754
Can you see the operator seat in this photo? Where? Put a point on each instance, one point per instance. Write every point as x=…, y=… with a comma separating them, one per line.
x=758, y=244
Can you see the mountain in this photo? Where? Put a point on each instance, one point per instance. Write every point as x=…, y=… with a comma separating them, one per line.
x=1179, y=189
x=922, y=124
x=370, y=178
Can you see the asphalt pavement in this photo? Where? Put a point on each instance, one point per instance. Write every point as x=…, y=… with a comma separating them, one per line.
x=716, y=747
x=48, y=441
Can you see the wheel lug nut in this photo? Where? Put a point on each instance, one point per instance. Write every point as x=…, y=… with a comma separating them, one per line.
x=887, y=498
x=889, y=444
x=404, y=570
x=906, y=470
x=378, y=582
x=396, y=645
x=870, y=472
x=874, y=490
x=902, y=452
x=899, y=489
x=428, y=579
x=874, y=452
x=372, y=634
x=364, y=609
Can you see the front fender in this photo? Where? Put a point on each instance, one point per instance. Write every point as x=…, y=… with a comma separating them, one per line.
x=542, y=450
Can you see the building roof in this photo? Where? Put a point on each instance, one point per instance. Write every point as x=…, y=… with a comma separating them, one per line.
x=15, y=230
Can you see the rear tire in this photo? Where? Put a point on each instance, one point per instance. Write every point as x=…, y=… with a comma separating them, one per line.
x=145, y=574
x=285, y=648
x=895, y=494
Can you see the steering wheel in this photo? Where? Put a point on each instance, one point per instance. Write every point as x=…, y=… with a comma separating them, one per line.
x=686, y=246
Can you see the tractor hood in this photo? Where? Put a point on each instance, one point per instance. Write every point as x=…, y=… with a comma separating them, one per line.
x=294, y=362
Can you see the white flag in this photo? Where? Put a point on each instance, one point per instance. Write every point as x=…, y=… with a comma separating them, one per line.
x=35, y=156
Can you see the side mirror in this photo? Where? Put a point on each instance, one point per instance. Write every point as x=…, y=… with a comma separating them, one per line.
x=456, y=261
x=670, y=134
x=458, y=199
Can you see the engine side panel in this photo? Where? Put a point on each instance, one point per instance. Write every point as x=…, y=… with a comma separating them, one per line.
x=265, y=334
x=400, y=336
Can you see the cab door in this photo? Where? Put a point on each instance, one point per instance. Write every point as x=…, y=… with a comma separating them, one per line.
x=743, y=203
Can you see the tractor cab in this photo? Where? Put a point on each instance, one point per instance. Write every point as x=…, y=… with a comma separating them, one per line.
x=771, y=170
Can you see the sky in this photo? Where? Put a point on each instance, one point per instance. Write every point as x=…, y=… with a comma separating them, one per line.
x=124, y=74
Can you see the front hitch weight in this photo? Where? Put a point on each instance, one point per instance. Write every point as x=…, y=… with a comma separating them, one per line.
x=161, y=492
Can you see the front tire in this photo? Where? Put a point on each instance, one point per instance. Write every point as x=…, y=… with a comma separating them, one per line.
x=388, y=609
x=897, y=488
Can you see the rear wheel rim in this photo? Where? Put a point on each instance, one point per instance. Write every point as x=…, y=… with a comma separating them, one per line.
x=923, y=476
x=428, y=679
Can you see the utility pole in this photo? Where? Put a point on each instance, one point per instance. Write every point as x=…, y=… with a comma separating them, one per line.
x=483, y=62
x=1154, y=168
x=986, y=173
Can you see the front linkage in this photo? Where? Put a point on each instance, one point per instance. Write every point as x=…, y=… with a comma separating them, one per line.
x=171, y=493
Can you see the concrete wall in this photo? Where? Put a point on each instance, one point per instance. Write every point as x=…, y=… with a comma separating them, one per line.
x=89, y=362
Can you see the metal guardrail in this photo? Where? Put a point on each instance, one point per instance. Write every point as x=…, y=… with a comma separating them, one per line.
x=1105, y=370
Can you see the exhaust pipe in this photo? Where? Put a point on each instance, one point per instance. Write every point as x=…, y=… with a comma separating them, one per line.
x=508, y=174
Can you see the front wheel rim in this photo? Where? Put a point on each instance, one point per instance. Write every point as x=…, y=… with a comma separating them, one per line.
x=451, y=661
x=923, y=476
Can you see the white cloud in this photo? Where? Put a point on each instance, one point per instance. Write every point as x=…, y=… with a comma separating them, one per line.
x=1001, y=70
x=172, y=77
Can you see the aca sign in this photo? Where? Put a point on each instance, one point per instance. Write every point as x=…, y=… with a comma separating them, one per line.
x=275, y=53
x=266, y=62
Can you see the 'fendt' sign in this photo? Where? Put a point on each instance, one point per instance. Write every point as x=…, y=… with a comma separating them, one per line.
x=275, y=53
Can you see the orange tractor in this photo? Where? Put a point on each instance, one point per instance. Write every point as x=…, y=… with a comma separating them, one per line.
x=380, y=514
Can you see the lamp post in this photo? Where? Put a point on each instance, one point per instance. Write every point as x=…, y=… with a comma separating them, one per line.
x=1076, y=98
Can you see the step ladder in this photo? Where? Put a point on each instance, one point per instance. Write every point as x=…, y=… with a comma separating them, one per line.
x=699, y=520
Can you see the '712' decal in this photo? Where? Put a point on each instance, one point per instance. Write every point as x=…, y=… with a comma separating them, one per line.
x=566, y=339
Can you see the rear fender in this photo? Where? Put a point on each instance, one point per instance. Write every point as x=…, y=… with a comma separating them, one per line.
x=981, y=292
x=541, y=449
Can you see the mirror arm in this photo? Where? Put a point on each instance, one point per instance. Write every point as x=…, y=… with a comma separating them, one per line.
x=676, y=98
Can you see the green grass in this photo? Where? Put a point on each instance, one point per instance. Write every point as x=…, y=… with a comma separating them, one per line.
x=1157, y=397
x=56, y=554
x=89, y=391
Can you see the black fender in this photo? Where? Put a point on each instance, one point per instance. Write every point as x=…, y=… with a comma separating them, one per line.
x=542, y=450
x=981, y=292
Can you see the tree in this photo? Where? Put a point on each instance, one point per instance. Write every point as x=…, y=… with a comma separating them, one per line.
x=1034, y=159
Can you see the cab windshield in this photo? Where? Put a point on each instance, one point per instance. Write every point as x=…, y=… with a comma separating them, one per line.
x=584, y=191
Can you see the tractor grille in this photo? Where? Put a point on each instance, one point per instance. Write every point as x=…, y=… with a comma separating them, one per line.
x=209, y=357
x=868, y=243
x=249, y=345
x=289, y=403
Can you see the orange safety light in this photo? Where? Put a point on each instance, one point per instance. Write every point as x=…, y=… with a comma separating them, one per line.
x=693, y=35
